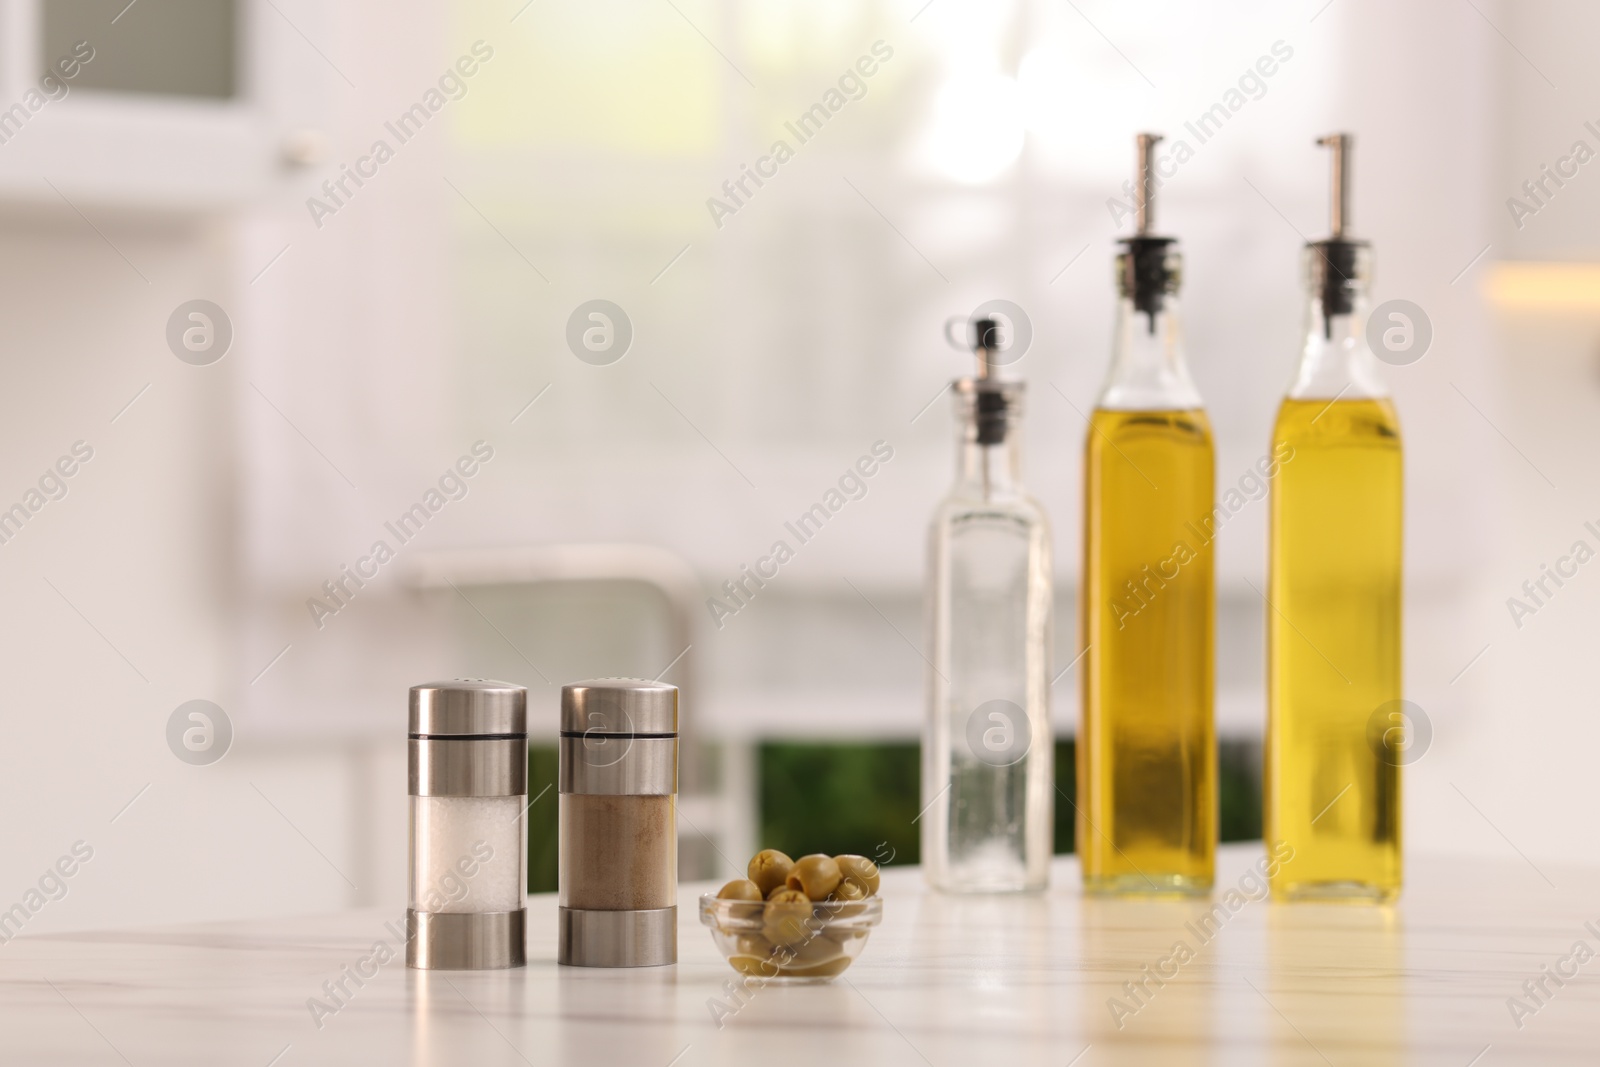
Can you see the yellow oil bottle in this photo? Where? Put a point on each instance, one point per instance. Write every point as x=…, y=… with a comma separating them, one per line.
x=1146, y=747
x=1333, y=760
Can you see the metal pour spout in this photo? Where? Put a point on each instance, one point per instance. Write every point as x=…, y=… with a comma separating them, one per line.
x=1144, y=218
x=1342, y=145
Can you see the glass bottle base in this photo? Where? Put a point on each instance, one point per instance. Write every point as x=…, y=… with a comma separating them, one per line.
x=1148, y=886
x=984, y=887
x=1335, y=893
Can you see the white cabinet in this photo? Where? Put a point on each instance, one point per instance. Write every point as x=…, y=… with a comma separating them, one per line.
x=172, y=105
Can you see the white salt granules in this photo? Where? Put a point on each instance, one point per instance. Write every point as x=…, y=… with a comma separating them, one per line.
x=466, y=854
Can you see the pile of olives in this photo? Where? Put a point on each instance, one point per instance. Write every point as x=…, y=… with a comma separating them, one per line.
x=799, y=899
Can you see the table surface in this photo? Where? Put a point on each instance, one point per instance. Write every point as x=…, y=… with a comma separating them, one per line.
x=944, y=980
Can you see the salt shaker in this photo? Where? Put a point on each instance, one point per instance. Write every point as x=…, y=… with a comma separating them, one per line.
x=618, y=784
x=469, y=787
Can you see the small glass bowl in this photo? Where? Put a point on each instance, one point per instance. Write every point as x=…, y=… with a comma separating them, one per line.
x=816, y=940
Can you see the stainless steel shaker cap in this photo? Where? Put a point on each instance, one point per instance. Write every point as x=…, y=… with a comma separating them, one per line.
x=469, y=707
x=629, y=706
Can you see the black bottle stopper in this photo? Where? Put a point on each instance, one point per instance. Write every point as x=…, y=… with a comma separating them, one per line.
x=1148, y=268
x=991, y=405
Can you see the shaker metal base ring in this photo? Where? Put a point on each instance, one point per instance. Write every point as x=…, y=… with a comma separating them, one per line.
x=618, y=938
x=466, y=941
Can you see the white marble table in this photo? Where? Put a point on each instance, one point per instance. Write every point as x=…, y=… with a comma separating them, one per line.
x=945, y=981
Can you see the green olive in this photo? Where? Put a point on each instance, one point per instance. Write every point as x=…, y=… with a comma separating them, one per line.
x=815, y=875
x=752, y=945
x=817, y=950
x=756, y=966
x=787, y=919
x=787, y=896
x=860, y=870
x=740, y=889
x=754, y=955
x=848, y=890
x=844, y=906
x=832, y=967
x=844, y=933
x=769, y=869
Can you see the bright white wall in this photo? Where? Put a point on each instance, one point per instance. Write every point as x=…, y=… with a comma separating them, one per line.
x=159, y=543
x=1523, y=750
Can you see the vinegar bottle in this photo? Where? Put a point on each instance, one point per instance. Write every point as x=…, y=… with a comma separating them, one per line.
x=1333, y=618
x=1147, y=761
x=988, y=751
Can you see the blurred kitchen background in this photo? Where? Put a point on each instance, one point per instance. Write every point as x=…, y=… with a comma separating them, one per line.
x=374, y=343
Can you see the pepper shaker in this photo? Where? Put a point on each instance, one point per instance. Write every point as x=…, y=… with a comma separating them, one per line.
x=618, y=784
x=469, y=786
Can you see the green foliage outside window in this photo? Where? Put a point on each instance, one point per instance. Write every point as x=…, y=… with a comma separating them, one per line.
x=863, y=798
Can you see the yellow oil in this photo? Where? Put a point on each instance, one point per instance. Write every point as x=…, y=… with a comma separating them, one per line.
x=1147, y=805
x=1333, y=649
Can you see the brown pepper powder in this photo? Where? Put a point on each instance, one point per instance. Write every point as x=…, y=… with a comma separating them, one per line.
x=618, y=853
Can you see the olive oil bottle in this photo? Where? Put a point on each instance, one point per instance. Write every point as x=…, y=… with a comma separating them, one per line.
x=1147, y=805
x=1333, y=617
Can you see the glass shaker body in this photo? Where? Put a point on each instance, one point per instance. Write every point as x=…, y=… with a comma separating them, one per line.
x=466, y=854
x=988, y=748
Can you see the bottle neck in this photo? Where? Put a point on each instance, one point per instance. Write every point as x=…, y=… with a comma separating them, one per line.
x=1335, y=360
x=988, y=438
x=1148, y=367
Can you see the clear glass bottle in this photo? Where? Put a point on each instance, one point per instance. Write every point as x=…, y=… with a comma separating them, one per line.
x=988, y=750
x=1334, y=618
x=1146, y=747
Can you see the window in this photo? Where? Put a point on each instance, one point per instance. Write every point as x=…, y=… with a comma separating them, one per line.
x=164, y=47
